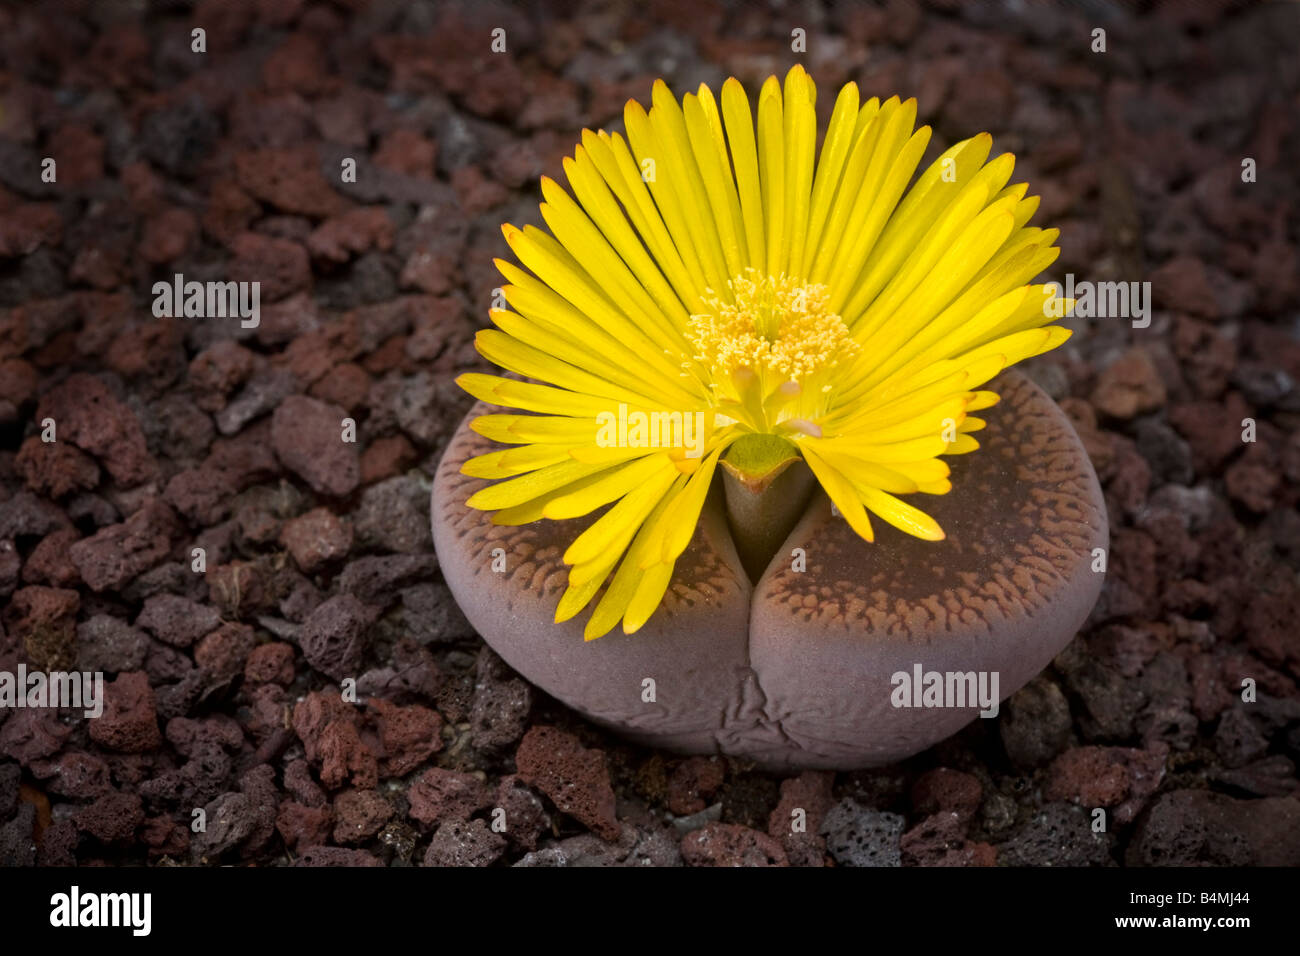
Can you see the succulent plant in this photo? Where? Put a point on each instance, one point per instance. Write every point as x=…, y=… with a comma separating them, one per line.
x=727, y=334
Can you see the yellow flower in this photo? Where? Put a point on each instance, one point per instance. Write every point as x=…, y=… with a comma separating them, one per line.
x=718, y=272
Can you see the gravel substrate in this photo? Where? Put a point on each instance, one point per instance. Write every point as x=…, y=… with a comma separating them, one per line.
x=224, y=665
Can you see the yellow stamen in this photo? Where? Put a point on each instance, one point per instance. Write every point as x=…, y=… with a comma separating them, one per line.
x=767, y=341
x=775, y=325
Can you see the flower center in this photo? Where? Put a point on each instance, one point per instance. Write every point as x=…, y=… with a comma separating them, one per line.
x=769, y=346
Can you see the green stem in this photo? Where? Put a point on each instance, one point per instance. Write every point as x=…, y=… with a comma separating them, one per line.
x=767, y=487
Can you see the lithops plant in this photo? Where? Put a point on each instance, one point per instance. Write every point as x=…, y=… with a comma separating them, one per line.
x=728, y=355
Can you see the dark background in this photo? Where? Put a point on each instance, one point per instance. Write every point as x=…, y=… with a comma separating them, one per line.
x=179, y=433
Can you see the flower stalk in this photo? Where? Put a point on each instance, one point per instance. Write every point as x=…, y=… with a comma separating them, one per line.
x=767, y=486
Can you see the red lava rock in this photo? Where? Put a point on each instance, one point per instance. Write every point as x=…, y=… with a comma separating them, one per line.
x=1252, y=482
x=281, y=266
x=390, y=355
x=191, y=785
x=165, y=837
x=1268, y=623
x=490, y=92
x=231, y=819
x=316, y=538
x=525, y=817
x=229, y=212
x=80, y=776
x=327, y=727
x=298, y=781
x=1131, y=481
x=265, y=389
x=285, y=321
x=303, y=826
x=355, y=232
x=99, y=265
x=943, y=789
x=1212, y=429
x=145, y=187
x=477, y=193
x=982, y=101
x=222, y=653
x=1208, y=356
x=258, y=784
x=49, y=562
x=464, y=843
x=191, y=737
x=270, y=663
x=1238, y=740
x=200, y=495
x=1130, y=386
x=385, y=458
x=116, y=554
x=32, y=734
x=17, y=382
x=25, y=515
x=502, y=701
x=149, y=350
x=298, y=66
x=87, y=414
x=797, y=819
x=168, y=236
x=406, y=151
x=236, y=589
x=1182, y=286
x=1200, y=828
x=27, y=227
x=730, y=844
x=308, y=438
x=55, y=469
x=176, y=620
x=120, y=57
x=693, y=782
x=413, y=672
x=217, y=371
x=10, y=568
x=268, y=717
x=314, y=713
x=313, y=354
x=440, y=795
x=940, y=840
x=1209, y=695
x=112, y=818
x=408, y=736
x=58, y=846
x=431, y=269
x=344, y=756
x=1274, y=267
x=441, y=330
x=1107, y=777
x=347, y=385
x=257, y=523
x=289, y=180
x=390, y=516
x=335, y=635
x=574, y=778
x=336, y=856
x=79, y=153
x=128, y=723
x=45, y=620
x=359, y=815
x=552, y=102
